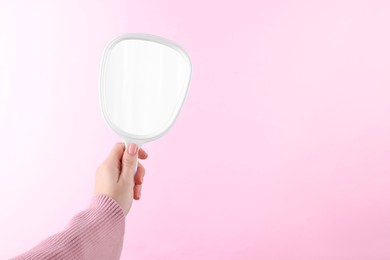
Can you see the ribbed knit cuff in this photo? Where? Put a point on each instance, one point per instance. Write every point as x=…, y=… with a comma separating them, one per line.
x=107, y=204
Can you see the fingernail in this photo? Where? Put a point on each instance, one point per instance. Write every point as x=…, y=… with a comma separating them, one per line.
x=132, y=149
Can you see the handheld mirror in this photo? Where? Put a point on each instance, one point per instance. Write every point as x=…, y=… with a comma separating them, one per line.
x=143, y=84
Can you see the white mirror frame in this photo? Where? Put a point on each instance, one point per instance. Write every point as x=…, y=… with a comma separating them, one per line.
x=141, y=139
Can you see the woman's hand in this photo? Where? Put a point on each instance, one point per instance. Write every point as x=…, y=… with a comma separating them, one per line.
x=115, y=177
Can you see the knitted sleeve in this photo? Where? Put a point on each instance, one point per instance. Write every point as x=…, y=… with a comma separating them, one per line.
x=95, y=233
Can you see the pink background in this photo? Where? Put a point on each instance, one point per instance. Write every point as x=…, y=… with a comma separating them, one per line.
x=282, y=150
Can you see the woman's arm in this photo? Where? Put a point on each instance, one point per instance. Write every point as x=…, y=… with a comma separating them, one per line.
x=97, y=232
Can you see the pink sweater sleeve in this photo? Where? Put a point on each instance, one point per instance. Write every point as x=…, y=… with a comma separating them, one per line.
x=96, y=233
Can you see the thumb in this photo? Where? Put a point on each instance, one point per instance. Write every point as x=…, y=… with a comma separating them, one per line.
x=129, y=162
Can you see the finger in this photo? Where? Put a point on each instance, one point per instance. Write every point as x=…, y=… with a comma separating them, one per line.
x=137, y=192
x=139, y=177
x=142, y=154
x=116, y=153
x=129, y=161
